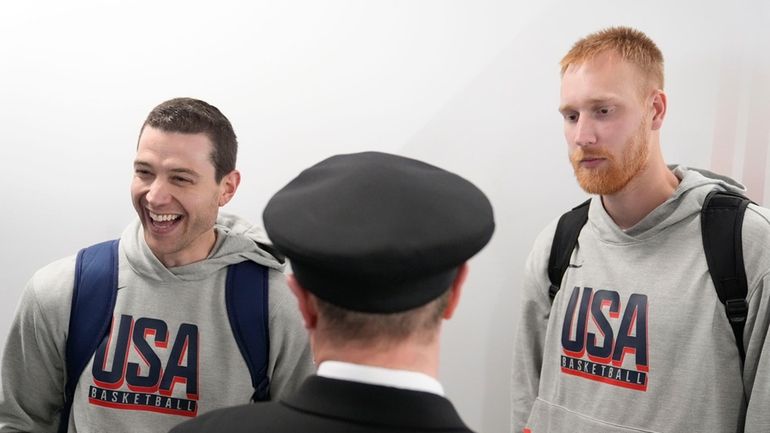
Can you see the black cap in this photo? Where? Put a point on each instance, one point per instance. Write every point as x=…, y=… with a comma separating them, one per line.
x=378, y=233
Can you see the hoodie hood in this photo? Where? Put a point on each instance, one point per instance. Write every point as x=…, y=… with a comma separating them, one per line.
x=694, y=185
x=237, y=240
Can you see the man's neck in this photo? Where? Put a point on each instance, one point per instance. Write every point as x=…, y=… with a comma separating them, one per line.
x=421, y=358
x=646, y=191
x=198, y=251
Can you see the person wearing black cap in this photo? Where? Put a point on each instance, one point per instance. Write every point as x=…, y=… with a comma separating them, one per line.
x=378, y=244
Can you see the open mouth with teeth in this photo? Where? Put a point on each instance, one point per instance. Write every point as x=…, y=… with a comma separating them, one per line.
x=163, y=223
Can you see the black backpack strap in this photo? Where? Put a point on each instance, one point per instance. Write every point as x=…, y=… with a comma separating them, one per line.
x=93, y=300
x=246, y=295
x=721, y=227
x=564, y=241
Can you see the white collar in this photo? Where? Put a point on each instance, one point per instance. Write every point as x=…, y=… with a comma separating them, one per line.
x=403, y=379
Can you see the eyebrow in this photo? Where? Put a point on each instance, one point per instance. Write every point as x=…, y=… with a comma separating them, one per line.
x=591, y=102
x=178, y=170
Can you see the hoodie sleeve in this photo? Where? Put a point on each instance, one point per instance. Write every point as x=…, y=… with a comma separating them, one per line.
x=756, y=369
x=533, y=313
x=33, y=376
x=290, y=358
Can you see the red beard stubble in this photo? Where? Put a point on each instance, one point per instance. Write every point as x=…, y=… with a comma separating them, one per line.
x=616, y=173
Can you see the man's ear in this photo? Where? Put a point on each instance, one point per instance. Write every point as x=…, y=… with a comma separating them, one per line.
x=456, y=289
x=305, y=301
x=659, y=106
x=228, y=185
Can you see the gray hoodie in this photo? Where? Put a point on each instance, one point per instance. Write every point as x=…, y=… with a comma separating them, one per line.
x=636, y=339
x=181, y=359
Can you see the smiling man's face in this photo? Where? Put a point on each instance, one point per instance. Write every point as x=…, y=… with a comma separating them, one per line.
x=176, y=195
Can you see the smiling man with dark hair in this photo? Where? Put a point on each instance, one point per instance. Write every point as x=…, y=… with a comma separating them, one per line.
x=139, y=334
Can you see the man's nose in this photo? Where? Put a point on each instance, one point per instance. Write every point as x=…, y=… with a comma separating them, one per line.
x=158, y=194
x=585, y=133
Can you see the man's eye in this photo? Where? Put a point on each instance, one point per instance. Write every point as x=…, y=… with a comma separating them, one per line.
x=182, y=179
x=604, y=111
x=571, y=117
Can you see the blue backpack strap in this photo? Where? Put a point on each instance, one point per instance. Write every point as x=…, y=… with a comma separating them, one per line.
x=564, y=241
x=93, y=300
x=722, y=229
x=246, y=292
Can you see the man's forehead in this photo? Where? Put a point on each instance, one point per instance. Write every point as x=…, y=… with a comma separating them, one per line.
x=158, y=139
x=602, y=78
x=173, y=148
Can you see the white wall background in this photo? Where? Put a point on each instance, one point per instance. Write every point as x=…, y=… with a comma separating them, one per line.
x=468, y=85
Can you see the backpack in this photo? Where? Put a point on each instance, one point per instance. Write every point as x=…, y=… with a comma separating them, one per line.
x=93, y=302
x=721, y=229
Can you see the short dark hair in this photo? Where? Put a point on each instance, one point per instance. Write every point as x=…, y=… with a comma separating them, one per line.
x=347, y=326
x=193, y=116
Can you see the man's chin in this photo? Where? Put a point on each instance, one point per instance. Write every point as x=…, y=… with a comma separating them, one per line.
x=600, y=184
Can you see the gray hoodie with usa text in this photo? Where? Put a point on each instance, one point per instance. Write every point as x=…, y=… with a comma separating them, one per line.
x=181, y=358
x=636, y=339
